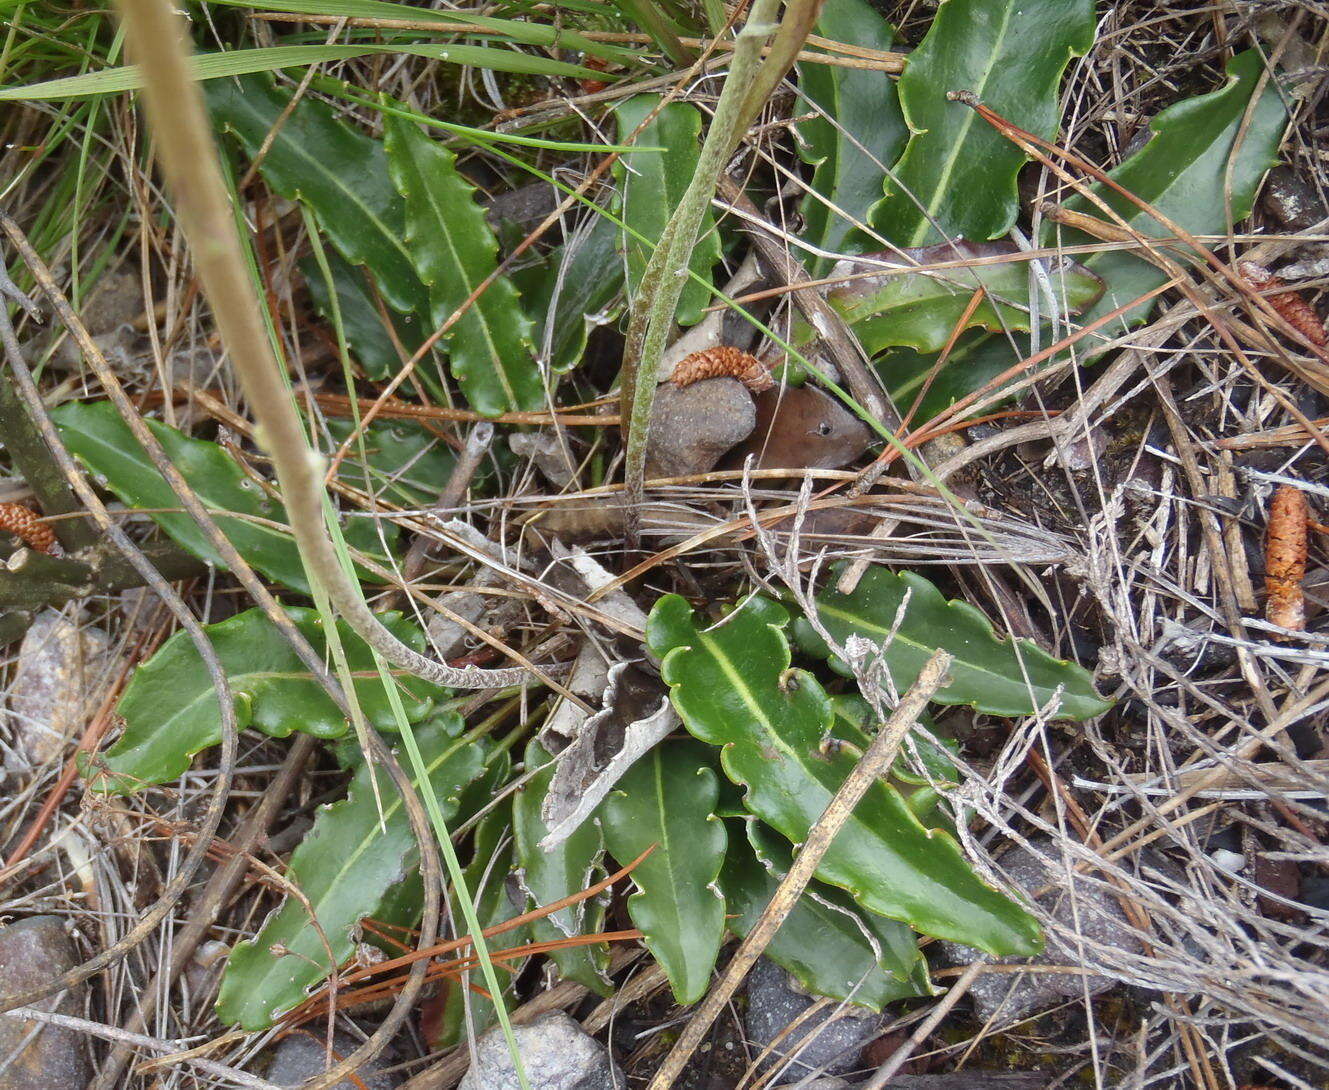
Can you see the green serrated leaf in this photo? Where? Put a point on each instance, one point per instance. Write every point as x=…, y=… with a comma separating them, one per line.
x=170, y=708
x=859, y=134
x=368, y=339
x=345, y=868
x=920, y=310
x=956, y=178
x=405, y=463
x=336, y=170
x=550, y=876
x=256, y=525
x=733, y=688
x=977, y=358
x=1201, y=169
x=453, y=250
x=925, y=755
x=579, y=287
x=650, y=187
x=999, y=677
x=668, y=799
x=825, y=941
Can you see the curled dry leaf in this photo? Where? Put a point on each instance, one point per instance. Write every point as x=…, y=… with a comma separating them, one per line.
x=1291, y=305
x=1285, y=558
x=25, y=524
x=723, y=360
x=636, y=715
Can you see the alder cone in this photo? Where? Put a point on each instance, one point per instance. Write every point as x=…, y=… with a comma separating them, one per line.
x=1291, y=305
x=27, y=525
x=719, y=362
x=1285, y=558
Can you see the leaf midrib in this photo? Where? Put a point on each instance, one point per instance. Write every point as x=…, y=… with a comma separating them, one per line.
x=427, y=191
x=958, y=144
x=856, y=620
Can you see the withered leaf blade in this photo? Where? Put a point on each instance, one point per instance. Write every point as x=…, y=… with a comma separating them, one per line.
x=636, y=715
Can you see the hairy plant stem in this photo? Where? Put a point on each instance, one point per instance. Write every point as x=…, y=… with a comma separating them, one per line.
x=665, y=274
x=189, y=161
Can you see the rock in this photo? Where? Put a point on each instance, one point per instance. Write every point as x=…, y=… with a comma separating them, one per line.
x=1095, y=912
x=828, y=1043
x=544, y=449
x=301, y=1056
x=692, y=428
x=44, y=1057
x=555, y=1053
x=1292, y=199
x=57, y=683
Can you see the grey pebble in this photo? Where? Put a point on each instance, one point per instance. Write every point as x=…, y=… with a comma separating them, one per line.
x=301, y=1056
x=828, y=1042
x=556, y=1054
x=35, y=1056
x=1094, y=911
x=56, y=682
x=693, y=427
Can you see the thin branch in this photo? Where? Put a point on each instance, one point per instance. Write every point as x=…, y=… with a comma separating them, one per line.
x=663, y=280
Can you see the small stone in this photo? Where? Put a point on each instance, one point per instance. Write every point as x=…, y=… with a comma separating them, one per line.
x=58, y=680
x=1095, y=912
x=302, y=1056
x=34, y=1055
x=544, y=449
x=1292, y=199
x=692, y=428
x=556, y=1054
x=828, y=1042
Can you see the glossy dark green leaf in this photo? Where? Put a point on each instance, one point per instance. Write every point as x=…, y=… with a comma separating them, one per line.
x=558, y=873
x=668, y=799
x=832, y=947
x=920, y=310
x=404, y=463
x=1000, y=677
x=956, y=178
x=256, y=525
x=925, y=755
x=334, y=169
x=977, y=358
x=170, y=708
x=345, y=867
x=858, y=135
x=453, y=250
x=369, y=340
x=1201, y=170
x=733, y=687
x=579, y=287
x=651, y=184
